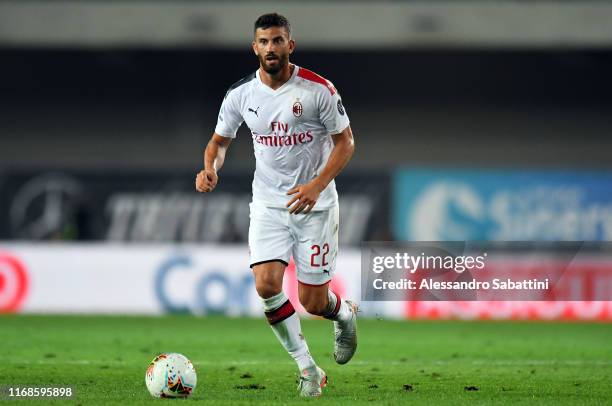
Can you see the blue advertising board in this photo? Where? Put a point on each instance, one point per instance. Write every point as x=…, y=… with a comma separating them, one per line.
x=501, y=205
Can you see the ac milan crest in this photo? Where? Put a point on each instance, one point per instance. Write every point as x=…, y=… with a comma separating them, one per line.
x=297, y=109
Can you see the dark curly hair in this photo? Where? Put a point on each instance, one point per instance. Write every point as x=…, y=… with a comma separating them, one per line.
x=272, y=20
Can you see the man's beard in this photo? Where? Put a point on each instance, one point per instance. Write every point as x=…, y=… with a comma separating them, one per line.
x=283, y=60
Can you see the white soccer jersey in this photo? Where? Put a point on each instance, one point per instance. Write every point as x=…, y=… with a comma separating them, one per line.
x=290, y=127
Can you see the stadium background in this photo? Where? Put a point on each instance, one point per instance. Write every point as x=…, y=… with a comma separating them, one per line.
x=106, y=108
x=473, y=120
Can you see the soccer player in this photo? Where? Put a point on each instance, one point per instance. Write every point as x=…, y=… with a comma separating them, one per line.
x=302, y=140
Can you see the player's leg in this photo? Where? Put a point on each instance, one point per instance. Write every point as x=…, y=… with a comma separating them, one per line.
x=315, y=257
x=322, y=301
x=280, y=313
x=270, y=244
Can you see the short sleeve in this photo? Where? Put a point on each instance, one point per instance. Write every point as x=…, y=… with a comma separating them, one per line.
x=332, y=112
x=230, y=118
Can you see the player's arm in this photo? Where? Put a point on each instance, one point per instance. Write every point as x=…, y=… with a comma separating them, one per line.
x=305, y=196
x=214, y=156
x=344, y=146
x=228, y=122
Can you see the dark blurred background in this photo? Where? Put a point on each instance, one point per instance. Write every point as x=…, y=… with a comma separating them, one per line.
x=156, y=108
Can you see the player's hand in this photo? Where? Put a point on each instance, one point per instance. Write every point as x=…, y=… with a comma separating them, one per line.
x=305, y=197
x=206, y=181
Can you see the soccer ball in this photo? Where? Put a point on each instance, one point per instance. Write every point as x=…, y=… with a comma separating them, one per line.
x=170, y=375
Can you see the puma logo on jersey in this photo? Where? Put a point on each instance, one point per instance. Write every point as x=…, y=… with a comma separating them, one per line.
x=254, y=111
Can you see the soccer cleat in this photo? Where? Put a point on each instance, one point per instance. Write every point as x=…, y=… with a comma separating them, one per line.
x=345, y=333
x=312, y=382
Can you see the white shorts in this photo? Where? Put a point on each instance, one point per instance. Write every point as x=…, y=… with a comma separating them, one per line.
x=312, y=239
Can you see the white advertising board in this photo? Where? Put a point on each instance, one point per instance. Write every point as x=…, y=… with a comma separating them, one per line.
x=149, y=279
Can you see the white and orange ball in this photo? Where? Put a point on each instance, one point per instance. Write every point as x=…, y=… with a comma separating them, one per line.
x=171, y=375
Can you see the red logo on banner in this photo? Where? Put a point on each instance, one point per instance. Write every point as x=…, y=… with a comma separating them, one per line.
x=13, y=283
x=582, y=293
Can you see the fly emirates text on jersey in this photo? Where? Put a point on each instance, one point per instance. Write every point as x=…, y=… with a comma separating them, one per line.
x=280, y=136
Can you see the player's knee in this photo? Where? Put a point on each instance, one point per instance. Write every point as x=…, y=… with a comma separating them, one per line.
x=267, y=287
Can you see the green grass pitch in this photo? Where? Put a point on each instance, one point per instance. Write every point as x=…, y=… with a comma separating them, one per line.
x=239, y=361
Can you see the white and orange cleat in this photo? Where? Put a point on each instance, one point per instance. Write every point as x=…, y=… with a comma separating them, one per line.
x=312, y=382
